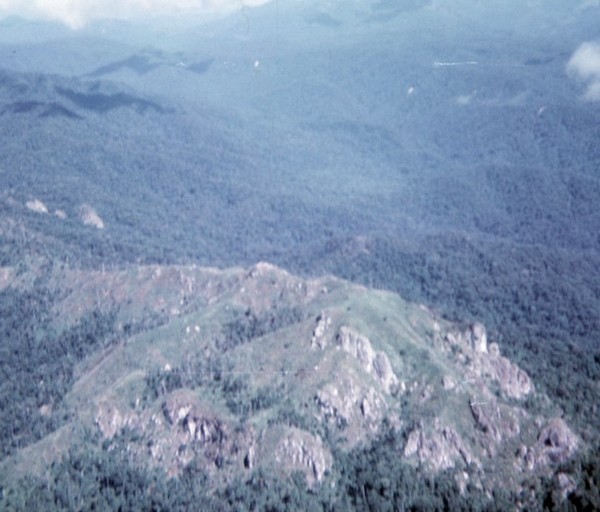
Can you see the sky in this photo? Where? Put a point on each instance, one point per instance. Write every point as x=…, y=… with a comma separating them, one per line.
x=77, y=13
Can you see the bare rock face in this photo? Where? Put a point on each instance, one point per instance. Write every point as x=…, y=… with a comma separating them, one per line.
x=373, y=408
x=110, y=420
x=348, y=405
x=497, y=422
x=555, y=444
x=184, y=429
x=483, y=360
x=448, y=383
x=512, y=379
x=384, y=372
x=478, y=338
x=37, y=206
x=357, y=346
x=195, y=424
x=89, y=217
x=439, y=448
x=338, y=403
x=191, y=431
x=375, y=363
x=320, y=332
x=566, y=483
x=302, y=451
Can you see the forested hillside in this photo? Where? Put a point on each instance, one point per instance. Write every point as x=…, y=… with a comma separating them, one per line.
x=446, y=153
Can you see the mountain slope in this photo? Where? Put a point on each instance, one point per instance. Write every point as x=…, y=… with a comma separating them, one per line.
x=244, y=370
x=441, y=152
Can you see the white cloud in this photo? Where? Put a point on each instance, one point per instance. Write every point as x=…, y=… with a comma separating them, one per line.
x=585, y=65
x=76, y=13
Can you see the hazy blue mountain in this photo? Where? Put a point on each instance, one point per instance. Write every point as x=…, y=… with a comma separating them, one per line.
x=398, y=122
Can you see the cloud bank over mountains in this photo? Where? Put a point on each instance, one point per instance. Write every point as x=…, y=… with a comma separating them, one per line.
x=77, y=13
x=585, y=65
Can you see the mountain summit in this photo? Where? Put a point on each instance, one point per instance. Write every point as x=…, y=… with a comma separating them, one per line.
x=253, y=369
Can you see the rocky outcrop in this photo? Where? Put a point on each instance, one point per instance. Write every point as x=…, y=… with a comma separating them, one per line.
x=384, y=373
x=90, y=217
x=477, y=338
x=514, y=382
x=194, y=422
x=320, y=334
x=375, y=363
x=556, y=443
x=472, y=339
x=337, y=405
x=111, y=420
x=37, y=206
x=348, y=405
x=482, y=360
x=357, y=346
x=438, y=448
x=300, y=450
x=566, y=484
x=498, y=422
x=182, y=430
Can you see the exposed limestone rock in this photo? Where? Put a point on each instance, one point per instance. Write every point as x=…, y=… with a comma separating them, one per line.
x=479, y=338
x=206, y=430
x=303, y=451
x=513, y=381
x=373, y=406
x=494, y=350
x=350, y=407
x=384, y=372
x=45, y=410
x=338, y=404
x=186, y=430
x=37, y=206
x=196, y=424
x=110, y=420
x=448, y=382
x=262, y=268
x=89, y=217
x=471, y=348
x=497, y=422
x=183, y=412
x=320, y=332
x=375, y=363
x=439, y=448
x=555, y=444
x=473, y=339
x=462, y=479
x=365, y=409
x=566, y=483
x=357, y=346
